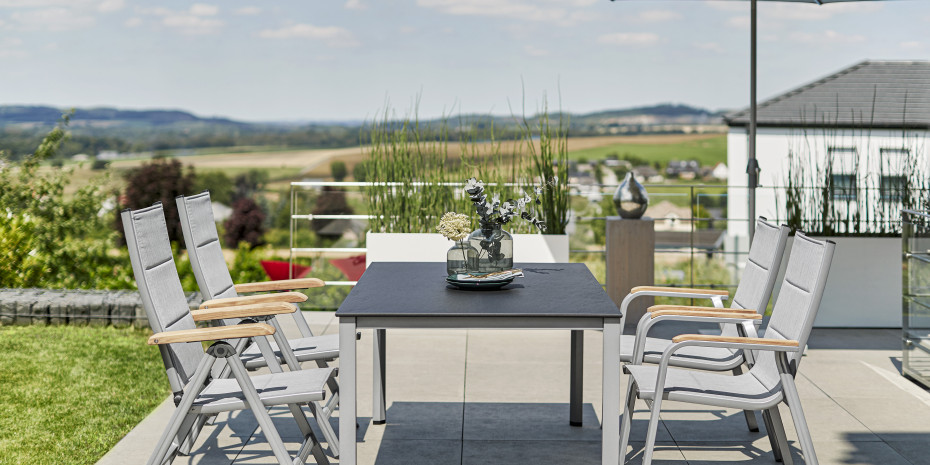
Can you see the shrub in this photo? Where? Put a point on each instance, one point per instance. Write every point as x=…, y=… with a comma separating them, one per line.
x=49, y=239
x=338, y=170
x=160, y=180
x=331, y=201
x=360, y=171
x=247, y=224
x=249, y=183
x=219, y=185
x=99, y=164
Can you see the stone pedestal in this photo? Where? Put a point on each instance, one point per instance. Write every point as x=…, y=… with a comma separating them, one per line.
x=630, y=262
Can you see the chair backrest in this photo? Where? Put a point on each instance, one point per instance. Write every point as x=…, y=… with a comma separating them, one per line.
x=797, y=303
x=203, y=246
x=160, y=287
x=761, y=270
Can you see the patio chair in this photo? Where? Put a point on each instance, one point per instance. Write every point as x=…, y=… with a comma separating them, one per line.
x=769, y=382
x=197, y=394
x=218, y=289
x=751, y=298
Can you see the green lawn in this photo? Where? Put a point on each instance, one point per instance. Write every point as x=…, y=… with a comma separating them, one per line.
x=707, y=151
x=68, y=394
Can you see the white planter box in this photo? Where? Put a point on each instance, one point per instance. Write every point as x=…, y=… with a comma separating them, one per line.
x=864, y=286
x=423, y=247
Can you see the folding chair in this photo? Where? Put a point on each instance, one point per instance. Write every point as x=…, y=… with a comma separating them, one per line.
x=197, y=394
x=769, y=382
x=751, y=298
x=218, y=289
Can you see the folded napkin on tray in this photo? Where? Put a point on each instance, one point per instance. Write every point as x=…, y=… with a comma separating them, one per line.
x=495, y=276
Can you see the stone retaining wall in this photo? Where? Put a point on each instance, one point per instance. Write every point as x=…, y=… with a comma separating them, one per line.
x=75, y=307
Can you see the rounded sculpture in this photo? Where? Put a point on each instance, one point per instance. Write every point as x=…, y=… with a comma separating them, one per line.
x=631, y=198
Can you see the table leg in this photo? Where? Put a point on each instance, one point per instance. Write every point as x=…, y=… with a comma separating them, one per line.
x=577, y=379
x=348, y=392
x=610, y=391
x=378, y=414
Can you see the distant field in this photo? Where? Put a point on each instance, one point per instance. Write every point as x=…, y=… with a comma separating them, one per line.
x=708, y=149
x=285, y=165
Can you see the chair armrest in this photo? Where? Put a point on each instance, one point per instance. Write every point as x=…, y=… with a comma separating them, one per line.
x=292, y=297
x=243, y=311
x=211, y=334
x=280, y=285
x=689, y=308
x=707, y=313
x=736, y=340
x=680, y=290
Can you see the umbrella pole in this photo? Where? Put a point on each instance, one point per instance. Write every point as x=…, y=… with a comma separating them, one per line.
x=752, y=167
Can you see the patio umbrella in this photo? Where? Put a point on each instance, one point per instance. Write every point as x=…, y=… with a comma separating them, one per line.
x=752, y=167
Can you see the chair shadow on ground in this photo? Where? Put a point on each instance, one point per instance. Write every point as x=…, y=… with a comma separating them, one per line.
x=238, y=438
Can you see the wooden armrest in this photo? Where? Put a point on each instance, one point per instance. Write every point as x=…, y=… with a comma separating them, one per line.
x=682, y=290
x=292, y=297
x=690, y=308
x=742, y=340
x=709, y=313
x=280, y=285
x=212, y=334
x=242, y=311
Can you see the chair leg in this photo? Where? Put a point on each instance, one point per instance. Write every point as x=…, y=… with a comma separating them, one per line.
x=626, y=421
x=261, y=414
x=653, y=429
x=165, y=443
x=750, y=415
x=783, y=452
x=322, y=420
x=770, y=433
x=800, y=422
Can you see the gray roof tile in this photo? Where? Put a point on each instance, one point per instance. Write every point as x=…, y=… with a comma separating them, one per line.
x=877, y=94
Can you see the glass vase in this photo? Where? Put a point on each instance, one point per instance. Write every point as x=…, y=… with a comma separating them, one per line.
x=461, y=258
x=494, y=247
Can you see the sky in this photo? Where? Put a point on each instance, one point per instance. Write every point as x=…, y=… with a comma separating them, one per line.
x=330, y=60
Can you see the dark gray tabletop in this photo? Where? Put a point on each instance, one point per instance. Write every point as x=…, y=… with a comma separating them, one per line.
x=420, y=289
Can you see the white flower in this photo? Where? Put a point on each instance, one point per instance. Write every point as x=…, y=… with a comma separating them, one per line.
x=454, y=226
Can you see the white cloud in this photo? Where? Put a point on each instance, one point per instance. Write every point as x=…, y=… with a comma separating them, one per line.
x=629, y=38
x=107, y=6
x=912, y=45
x=12, y=48
x=657, y=16
x=248, y=11
x=407, y=29
x=710, y=47
x=202, y=9
x=560, y=12
x=826, y=37
x=727, y=6
x=331, y=35
x=811, y=12
x=534, y=51
x=197, y=20
x=133, y=22
x=355, y=5
x=739, y=22
x=52, y=19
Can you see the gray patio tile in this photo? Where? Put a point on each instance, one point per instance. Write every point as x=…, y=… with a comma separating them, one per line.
x=665, y=453
x=854, y=453
x=527, y=421
x=410, y=452
x=827, y=421
x=512, y=452
x=419, y=420
x=914, y=451
x=897, y=416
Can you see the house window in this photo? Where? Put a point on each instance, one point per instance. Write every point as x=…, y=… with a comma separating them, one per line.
x=893, y=181
x=843, y=162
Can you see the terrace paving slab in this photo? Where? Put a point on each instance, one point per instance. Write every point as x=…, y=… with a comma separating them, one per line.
x=501, y=397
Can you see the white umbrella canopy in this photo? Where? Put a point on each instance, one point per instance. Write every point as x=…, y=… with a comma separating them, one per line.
x=752, y=167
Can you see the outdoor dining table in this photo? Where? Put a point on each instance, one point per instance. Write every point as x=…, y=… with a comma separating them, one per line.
x=562, y=296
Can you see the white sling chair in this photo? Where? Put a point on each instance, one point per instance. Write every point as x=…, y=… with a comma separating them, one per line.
x=197, y=394
x=751, y=298
x=769, y=382
x=218, y=289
